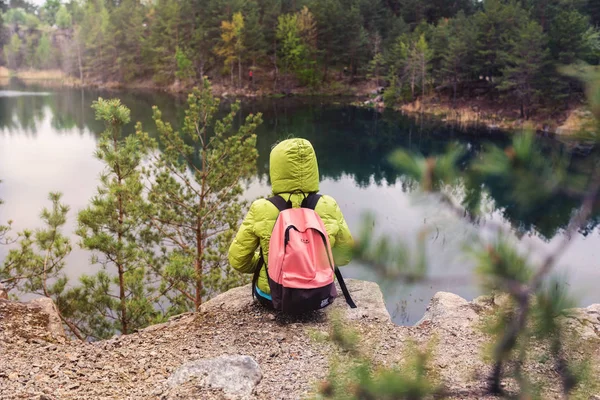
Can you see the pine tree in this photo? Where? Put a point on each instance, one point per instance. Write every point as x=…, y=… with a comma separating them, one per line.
x=377, y=63
x=291, y=48
x=422, y=58
x=456, y=57
x=29, y=51
x=43, y=53
x=49, y=10
x=159, y=49
x=4, y=229
x=12, y=52
x=185, y=70
x=128, y=31
x=94, y=31
x=63, y=18
x=196, y=183
x=253, y=35
x=496, y=28
x=232, y=46
x=35, y=266
x=271, y=11
x=111, y=228
x=525, y=62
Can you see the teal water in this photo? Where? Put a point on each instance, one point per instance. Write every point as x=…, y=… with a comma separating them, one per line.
x=47, y=141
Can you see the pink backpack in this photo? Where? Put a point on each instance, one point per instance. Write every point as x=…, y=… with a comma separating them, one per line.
x=301, y=268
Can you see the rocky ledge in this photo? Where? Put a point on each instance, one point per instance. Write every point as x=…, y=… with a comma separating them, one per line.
x=234, y=349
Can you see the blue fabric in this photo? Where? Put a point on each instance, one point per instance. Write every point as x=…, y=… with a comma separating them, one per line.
x=263, y=294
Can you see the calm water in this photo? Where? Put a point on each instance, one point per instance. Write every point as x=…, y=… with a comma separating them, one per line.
x=47, y=140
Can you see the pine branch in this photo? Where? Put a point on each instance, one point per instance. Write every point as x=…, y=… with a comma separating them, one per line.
x=523, y=295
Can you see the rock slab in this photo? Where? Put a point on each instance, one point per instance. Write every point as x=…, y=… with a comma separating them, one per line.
x=236, y=375
x=37, y=319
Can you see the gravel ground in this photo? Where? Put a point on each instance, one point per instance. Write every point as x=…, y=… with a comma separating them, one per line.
x=36, y=365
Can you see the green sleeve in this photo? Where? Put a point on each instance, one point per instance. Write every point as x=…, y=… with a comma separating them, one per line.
x=242, y=252
x=344, y=243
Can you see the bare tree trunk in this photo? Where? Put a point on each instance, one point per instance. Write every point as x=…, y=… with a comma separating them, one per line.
x=79, y=61
x=423, y=75
x=198, y=265
x=240, y=71
x=275, y=71
x=119, y=262
x=326, y=67
x=454, y=87
x=412, y=83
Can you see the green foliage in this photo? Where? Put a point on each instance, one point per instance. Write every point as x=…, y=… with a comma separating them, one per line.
x=495, y=48
x=43, y=53
x=409, y=65
x=185, y=69
x=48, y=12
x=63, y=18
x=499, y=265
x=159, y=49
x=32, y=22
x=12, y=51
x=524, y=63
x=35, y=265
x=195, y=197
x=29, y=51
x=354, y=377
x=291, y=48
x=254, y=35
x=16, y=16
x=127, y=29
x=4, y=229
x=535, y=300
x=232, y=45
x=96, y=55
x=111, y=228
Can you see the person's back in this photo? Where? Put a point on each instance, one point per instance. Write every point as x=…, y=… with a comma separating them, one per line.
x=294, y=174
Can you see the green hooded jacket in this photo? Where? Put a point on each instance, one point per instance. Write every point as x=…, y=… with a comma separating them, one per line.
x=293, y=169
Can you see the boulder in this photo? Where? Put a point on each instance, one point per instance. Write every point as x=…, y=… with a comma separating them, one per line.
x=3, y=292
x=236, y=376
x=584, y=321
x=366, y=295
x=37, y=319
x=450, y=309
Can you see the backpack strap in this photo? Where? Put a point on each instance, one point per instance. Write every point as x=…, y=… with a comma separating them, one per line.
x=342, y=283
x=311, y=202
x=261, y=262
x=280, y=203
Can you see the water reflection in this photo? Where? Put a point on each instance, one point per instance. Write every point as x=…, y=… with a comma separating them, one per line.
x=47, y=143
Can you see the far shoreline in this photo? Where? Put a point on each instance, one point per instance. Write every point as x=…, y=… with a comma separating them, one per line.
x=464, y=113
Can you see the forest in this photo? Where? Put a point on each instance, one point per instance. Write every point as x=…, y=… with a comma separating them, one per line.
x=502, y=51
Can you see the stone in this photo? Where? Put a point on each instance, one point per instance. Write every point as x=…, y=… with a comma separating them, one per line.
x=3, y=292
x=236, y=375
x=55, y=327
x=585, y=321
x=37, y=319
x=366, y=295
x=450, y=309
x=368, y=299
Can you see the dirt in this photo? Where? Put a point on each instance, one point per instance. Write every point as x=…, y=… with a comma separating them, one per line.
x=294, y=354
x=497, y=115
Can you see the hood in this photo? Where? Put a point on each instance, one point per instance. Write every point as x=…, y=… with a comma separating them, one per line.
x=293, y=166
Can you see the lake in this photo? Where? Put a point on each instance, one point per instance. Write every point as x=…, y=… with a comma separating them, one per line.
x=48, y=137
